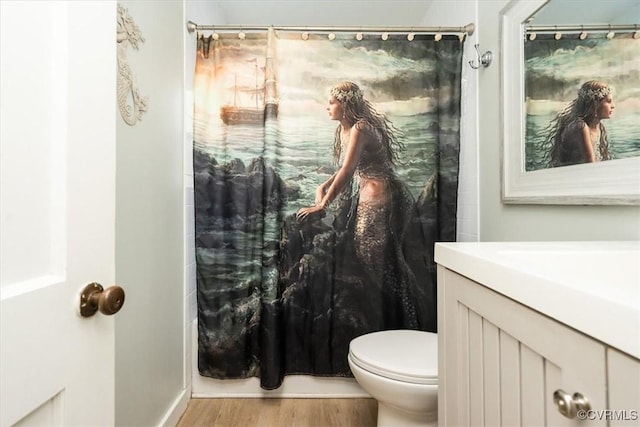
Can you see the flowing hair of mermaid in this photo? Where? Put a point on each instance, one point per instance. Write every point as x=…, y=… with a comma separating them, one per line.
x=359, y=111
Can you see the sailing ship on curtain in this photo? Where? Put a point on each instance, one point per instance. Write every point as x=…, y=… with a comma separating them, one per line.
x=278, y=295
x=252, y=111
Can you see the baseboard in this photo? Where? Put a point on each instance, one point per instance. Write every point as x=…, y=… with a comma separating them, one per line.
x=177, y=408
x=294, y=386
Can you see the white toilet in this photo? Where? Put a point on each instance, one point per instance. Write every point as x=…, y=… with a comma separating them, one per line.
x=399, y=368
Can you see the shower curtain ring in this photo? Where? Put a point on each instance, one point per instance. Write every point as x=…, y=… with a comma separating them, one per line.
x=484, y=59
x=583, y=33
x=410, y=36
x=611, y=34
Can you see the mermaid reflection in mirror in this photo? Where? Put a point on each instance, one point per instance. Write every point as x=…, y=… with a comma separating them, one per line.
x=577, y=135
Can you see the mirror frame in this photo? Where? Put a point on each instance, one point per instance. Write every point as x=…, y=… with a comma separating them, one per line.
x=613, y=182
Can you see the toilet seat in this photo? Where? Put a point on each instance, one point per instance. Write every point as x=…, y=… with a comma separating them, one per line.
x=402, y=355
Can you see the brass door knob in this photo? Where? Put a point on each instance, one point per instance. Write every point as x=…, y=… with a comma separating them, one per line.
x=94, y=297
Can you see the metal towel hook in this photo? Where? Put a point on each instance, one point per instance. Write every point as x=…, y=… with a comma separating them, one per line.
x=484, y=59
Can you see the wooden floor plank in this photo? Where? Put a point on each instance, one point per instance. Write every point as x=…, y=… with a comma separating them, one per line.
x=270, y=413
x=201, y=412
x=235, y=413
x=280, y=413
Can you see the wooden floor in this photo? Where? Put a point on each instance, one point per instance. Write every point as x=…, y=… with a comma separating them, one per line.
x=280, y=413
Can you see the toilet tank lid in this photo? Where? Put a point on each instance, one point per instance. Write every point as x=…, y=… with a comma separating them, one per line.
x=400, y=354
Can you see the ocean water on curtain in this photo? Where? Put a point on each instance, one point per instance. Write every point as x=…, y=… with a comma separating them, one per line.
x=302, y=157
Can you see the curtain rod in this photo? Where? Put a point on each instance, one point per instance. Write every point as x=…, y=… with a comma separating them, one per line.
x=468, y=29
x=568, y=28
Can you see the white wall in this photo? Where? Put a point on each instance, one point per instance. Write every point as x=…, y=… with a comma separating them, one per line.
x=500, y=222
x=150, y=381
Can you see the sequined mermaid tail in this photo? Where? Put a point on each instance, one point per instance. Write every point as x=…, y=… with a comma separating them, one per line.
x=370, y=236
x=380, y=233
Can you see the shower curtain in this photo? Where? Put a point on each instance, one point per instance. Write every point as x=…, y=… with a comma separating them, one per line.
x=278, y=295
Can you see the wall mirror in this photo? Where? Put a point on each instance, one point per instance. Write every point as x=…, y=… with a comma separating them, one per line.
x=550, y=49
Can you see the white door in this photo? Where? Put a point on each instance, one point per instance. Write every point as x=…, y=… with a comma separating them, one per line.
x=57, y=210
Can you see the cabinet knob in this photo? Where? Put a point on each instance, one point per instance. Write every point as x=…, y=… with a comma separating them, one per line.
x=570, y=405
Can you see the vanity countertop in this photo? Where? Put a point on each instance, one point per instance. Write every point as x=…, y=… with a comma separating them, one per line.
x=593, y=287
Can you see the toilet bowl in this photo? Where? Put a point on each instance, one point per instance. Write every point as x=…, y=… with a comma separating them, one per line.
x=399, y=368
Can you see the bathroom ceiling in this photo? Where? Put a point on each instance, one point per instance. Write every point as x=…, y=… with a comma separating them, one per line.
x=411, y=12
x=577, y=12
x=327, y=12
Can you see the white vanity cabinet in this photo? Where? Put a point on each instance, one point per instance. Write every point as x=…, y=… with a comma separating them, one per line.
x=623, y=373
x=506, y=360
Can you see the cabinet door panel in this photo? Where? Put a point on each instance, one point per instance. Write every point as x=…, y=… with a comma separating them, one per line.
x=537, y=356
x=462, y=410
x=491, y=362
x=476, y=385
x=624, y=388
x=533, y=393
x=509, y=373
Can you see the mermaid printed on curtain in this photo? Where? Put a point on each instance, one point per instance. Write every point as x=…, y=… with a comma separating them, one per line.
x=324, y=172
